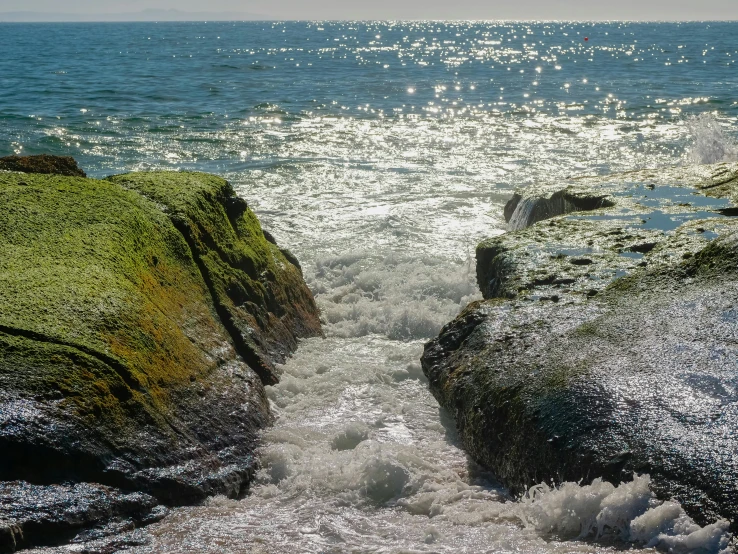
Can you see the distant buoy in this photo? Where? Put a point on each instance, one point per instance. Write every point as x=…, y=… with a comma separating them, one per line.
x=586, y=39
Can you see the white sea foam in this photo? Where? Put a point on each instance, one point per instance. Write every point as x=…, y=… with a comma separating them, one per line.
x=626, y=513
x=359, y=461
x=710, y=143
x=400, y=295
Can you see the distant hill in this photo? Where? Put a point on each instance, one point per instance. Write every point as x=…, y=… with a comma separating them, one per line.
x=144, y=15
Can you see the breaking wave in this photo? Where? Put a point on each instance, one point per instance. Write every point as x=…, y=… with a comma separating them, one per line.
x=400, y=295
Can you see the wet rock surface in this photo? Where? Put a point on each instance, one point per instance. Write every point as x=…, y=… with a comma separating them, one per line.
x=29, y=513
x=44, y=164
x=621, y=223
x=607, y=345
x=123, y=383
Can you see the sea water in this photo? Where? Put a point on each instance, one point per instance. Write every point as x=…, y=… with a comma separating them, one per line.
x=380, y=154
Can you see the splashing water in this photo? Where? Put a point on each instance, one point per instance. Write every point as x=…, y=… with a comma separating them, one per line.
x=710, y=143
x=522, y=215
x=401, y=296
x=628, y=512
x=533, y=209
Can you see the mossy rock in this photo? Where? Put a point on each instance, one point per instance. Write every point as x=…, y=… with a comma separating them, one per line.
x=259, y=293
x=119, y=364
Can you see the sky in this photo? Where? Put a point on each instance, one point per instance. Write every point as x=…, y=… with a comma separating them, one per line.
x=400, y=9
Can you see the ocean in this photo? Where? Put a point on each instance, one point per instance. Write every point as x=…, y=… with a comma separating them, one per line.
x=380, y=153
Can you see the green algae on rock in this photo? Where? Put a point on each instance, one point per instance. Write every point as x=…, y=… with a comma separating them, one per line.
x=115, y=365
x=617, y=221
x=259, y=293
x=606, y=346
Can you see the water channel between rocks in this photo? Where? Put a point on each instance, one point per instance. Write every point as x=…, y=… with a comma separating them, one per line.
x=361, y=458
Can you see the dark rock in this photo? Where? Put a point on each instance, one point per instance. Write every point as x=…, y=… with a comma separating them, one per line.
x=632, y=371
x=44, y=164
x=524, y=210
x=33, y=515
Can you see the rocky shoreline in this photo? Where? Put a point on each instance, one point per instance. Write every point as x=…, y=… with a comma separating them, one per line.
x=607, y=343
x=142, y=315
x=140, y=318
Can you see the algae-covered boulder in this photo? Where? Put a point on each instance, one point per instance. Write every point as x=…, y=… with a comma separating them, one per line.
x=607, y=346
x=119, y=361
x=44, y=164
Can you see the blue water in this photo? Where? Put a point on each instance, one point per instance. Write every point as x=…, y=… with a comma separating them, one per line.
x=133, y=82
x=380, y=154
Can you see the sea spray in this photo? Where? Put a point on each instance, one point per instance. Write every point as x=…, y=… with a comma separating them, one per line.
x=625, y=513
x=710, y=141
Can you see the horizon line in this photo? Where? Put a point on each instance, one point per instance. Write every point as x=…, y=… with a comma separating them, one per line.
x=253, y=17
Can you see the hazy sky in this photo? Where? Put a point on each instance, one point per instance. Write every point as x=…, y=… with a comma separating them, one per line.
x=409, y=9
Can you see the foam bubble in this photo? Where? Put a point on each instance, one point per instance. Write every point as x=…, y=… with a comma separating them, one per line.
x=668, y=528
x=349, y=438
